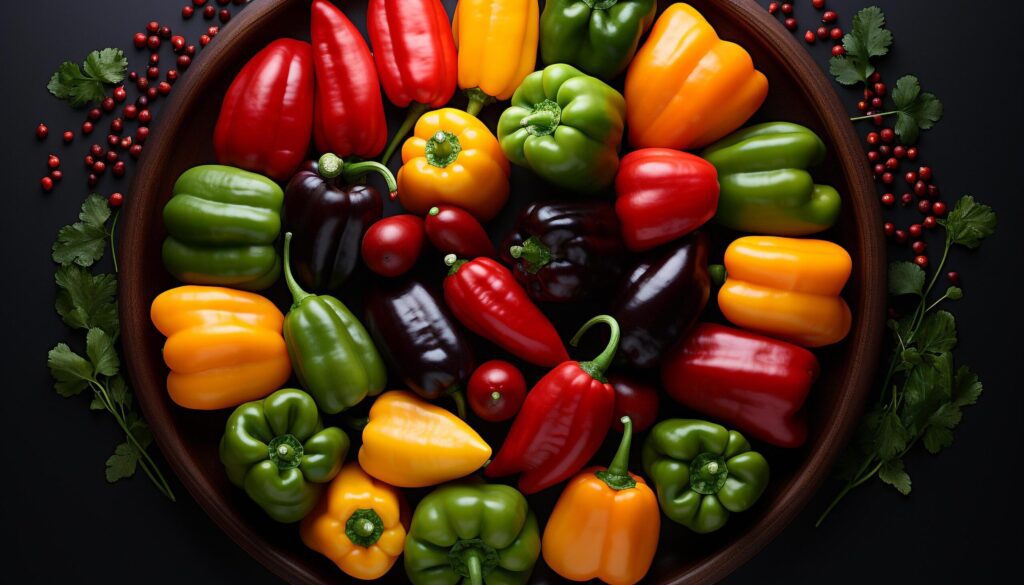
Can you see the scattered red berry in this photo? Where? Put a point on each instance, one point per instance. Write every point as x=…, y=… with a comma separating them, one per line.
x=918, y=247
x=209, y=12
x=113, y=139
x=887, y=178
x=135, y=150
x=98, y=167
x=906, y=199
x=184, y=61
x=153, y=72
x=178, y=43
x=888, y=199
x=111, y=156
x=887, y=135
x=876, y=103
x=925, y=173
x=152, y=27
x=118, y=169
x=190, y=50
x=164, y=32
x=204, y=40
x=910, y=177
x=117, y=125
x=86, y=127
x=836, y=33
x=822, y=32
x=187, y=12
x=900, y=236
x=879, y=169
x=899, y=151
x=773, y=7
x=131, y=111
x=885, y=150
x=224, y=15
x=915, y=230
x=954, y=278
x=139, y=40
x=172, y=75
x=95, y=114
x=142, y=84
x=924, y=206
x=889, y=228
x=912, y=153
x=838, y=51
x=68, y=136
x=120, y=94
x=96, y=150
x=213, y=30
x=920, y=188
x=88, y=161
x=811, y=39
x=929, y=222
x=152, y=93
x=829, y=16
x=875, y=77
x=939, y=209
x=56, y=174
x=46, y=183
x=199, y=3
x=921, y=261
x=873, y=138
x=933, y=191
x=115, y=200
x=154, y=59
x=53, y=161
x=892, y=164
x=153, y=42
x=42, y=131
x=790, y=23
x=164, y=88
x=92, y=180
x=126, y=142
x=141, y=134
x=873, y=156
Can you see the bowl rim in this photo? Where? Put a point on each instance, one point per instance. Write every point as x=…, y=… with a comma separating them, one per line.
x=864, y=339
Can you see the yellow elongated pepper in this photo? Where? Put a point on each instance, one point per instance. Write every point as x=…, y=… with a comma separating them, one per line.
x=787, y=288
x=497, y=43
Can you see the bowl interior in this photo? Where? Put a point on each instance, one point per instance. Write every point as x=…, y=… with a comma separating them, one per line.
x=799, y=93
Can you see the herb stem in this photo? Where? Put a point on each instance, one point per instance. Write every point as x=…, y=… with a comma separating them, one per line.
x=861, y=118
x=113, y=243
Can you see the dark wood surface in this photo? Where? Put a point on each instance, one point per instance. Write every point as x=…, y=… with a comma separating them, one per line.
x=800, y=93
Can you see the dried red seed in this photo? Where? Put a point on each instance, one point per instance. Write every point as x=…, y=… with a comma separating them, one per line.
x=190, y=50
x=887, y=178
x=88, y=161
x=887, y=135
x=910, y=177
x=178, y=43
x=822, y=32
x=172, y=75
x=145, y=116
x=892, y=164
x=787, y=8
x=836, y=33
x=906, y=199
x=96, y=150
x=224, y=15
x=924, y=206
x=139, y=40
x=888, y=199
x=921, y=261
x=141, y=134
x=152, y=27
x=939, y=208
x=912, y=153
x=92, y=179
x=929, y=222
x=954, y=278
x=920, y=188
x=117, y=125
x=811, y=39
x=68, y=136
x=135, y=150
x=118, y=169
x=164, y=32
x=925, y=173
x=95, y=114
x=873, y=156
x=115, y=200
x=899, y=151
x=918, y=247
x=888, y=228
x=773, y=7
x=204, y=40
x=46, y=183
x=98, y=167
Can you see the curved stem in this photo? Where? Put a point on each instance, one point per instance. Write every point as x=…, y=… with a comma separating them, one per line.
x=329, y=165
x=113, y=243
x=364, y=527
x=860, y=118
x=477, y=100
x=353, y=171
x=460, y=401
x=600, y=4
x=597, y=366
x=298, y=295
x=416, y=110
x=533, y=252
x=617, y=475
x=473, y=567
x=454, y=263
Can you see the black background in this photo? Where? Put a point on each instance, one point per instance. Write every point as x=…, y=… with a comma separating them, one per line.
x=62, y=521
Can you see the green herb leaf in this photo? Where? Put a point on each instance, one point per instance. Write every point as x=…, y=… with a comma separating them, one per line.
x=123, y=462
x=70, y=371
x=927, y=388
x=867, y=39
x=936, y=439
x=891, y=438
x=970, y=222
x=848, y=71
x=893, y=473
x=100, y=348
x=97, y=404
x=937, y=333
x=83, y=242
x=954, y=293
x=905, y=278
x=118, y=391
x=107, y=65
x=967, y=387
x=916, y=111
x=70, y=83
x=85, y=300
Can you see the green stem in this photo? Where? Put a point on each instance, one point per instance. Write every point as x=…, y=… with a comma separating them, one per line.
x=460, y=401
x=533, y=253
x=473, y=567
x=330, y=165
x=597, y=366
x=298, y=295
x=364, y=527
x=477, y=100
x=416, y=110
x=354, y=171
x=717, y=273
x=600, y=4
x=113, y=243
x=860, y=118
x=454, y=263
x=617, y=475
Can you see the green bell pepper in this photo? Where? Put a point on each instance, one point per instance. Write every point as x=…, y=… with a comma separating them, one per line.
x=473, y=533
x=598, y=36
x=222, y=223
x=765, y=187
x=278, y=450
x=332, y=354
x=702, y=472
x=566, y=126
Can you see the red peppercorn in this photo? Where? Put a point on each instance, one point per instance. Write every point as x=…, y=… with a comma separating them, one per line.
x=117, y=125
x=920, y=188
x=141, y=134
x=46, y=183
x=836, y=33
x=873, y=156
x=818, y=4
x=126, y=142
x=178, y=43
x=139, y=40
x=838, y=51
x=92, y=179
x=118, y=169
x=811, y=39
x=873, y=138
x=86, y=127
x=899, y=151
x=187, y=12
x=790, y=23
x=892, y=164
x=98, y=167
x=925, y=173
x=888, y=199
x=900, y=236
x=88, y=161
x=876, y=103
x=42, y=131
x=918, y=247
x=120, y=94
x=787, y=8
x=912, y=153
x=164, y=88
x=887, y=135
x=204, y=40
x=184, y=61
x=69, y=136
x=107, y=104
x=906, y=199
x=773, y=7
x=224, y=15
x=924, y=206
x=910, y=177
x=921, y=261
x=53, y=161
x=131, y=111
x=96, y=150
x=885, y=150
x=135, y=150
x=153, y=72
x=879, y=169
x=172, y=75
x=164, y=32
x=199, y=3
x=56, y=174
x=954, y=278
x=213, y=30
x=95, y=114
x=929, y=222
x=915, y=230
x=113, y=139
x=887, y=178
x=939, y=208
x=145, y=117
x=153, y=42
x=209, y=12
x=829, y=16
x=933, y=191
x=152, y=27
x=115, y=200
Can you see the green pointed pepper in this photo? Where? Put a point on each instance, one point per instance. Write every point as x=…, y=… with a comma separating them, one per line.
x=566, y=126
x=278, y=450
x=222, y=223
x=331, y=352
x=473, y=533
x=765, y=186
x=703, y=472
x=598, y=36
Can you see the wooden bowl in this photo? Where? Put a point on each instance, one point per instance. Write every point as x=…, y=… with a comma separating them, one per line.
x=799, y=93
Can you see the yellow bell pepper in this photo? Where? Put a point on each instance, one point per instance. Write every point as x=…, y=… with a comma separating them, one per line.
x=452, y=158
x=359, y=524
x=787, y=288
x=412, y=443
x=686, y=88
x=497, y=43
x=224, y=346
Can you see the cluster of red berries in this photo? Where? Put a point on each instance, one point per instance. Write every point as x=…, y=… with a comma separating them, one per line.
x=150, y=87
x=826, y=31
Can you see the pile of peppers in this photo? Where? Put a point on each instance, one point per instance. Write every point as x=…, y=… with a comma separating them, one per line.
x=622, y=232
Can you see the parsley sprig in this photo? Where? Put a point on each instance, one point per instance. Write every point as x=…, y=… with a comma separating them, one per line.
x=88, y=301
x=915, y=110
x=80, y=85
x=922, y=394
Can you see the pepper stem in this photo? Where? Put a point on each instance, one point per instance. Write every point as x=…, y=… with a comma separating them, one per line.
x=544, y=118
x=454, y=263
x=473, y=567
x=477, y=100
x=330, y=165
x=353, y=171
x=460, y=401
x=442, y=149
x=600, y=4
x=416, y=110
x=533, y=253
x=717, y=273
x=285, y=451
x=298, y=295
x=364, y=527
x=617, y=475
x=597, y=366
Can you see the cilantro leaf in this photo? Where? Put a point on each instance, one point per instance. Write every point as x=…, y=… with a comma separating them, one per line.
x=848, y=71
x=970, y=222
x=107, y=65
x=905, y=278
x=118, y=391
x=100, y=348
x=937, y=333
x=891, y=438
x=927, y=388
x=967, y=387
x=70, y=83
x=86, y=300
x=936, y=439
x=83, y=242
x=70, y=371
x=867, y=39
x=123, y=462
x=954, y=293
x=893, y=473
x=915, y=110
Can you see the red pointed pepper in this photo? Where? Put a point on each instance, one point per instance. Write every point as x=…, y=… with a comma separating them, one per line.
x=267, y=114
x=414, y=49
x=349, y=111
x=662, y=195
x=746, y=380
x=453, y=230
x=486, y=298
x=563, y=421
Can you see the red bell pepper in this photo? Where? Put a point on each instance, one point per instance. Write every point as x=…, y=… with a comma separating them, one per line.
x=349, y=111
x=749, y=381
x=486, y=298
x=662, y=195
x=267, y=114
x=454, y=230
x=415, y=53
x=563, y=421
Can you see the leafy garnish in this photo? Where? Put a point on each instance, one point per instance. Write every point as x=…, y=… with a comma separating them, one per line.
x=969, y=223
x=80, y=87
x=86, y=300
x=82, y=242
x=915, y=111
x=867, y=39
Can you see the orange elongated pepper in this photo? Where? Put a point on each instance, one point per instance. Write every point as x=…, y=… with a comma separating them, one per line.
x=787, y=288
x=453, y=159
x=605, y=524
x=497, y=43
x=412, y=443
x=224, y=346
x=359, y=524
x=686, y=88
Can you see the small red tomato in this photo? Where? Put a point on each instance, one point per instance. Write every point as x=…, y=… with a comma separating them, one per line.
x=496, y=390
x=637, y=400
x=392, y=245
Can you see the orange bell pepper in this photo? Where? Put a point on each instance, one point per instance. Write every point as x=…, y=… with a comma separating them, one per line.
x=411, y=443
x=453, y=159
x=787, y=288
x=359, y=524
x=224, y=346
x=687, y=88
x=497, y=43
x=605, y=525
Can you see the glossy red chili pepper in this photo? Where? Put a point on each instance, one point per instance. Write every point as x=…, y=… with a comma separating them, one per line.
x=349, y=111
x=635, y=399
x=496, y=391
x=662, y=195
x=749, y=381
x=486, y=298
x=267, y=115
x=392, y=245
x=563, y=421
x=415, y=54
x=453, y=230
